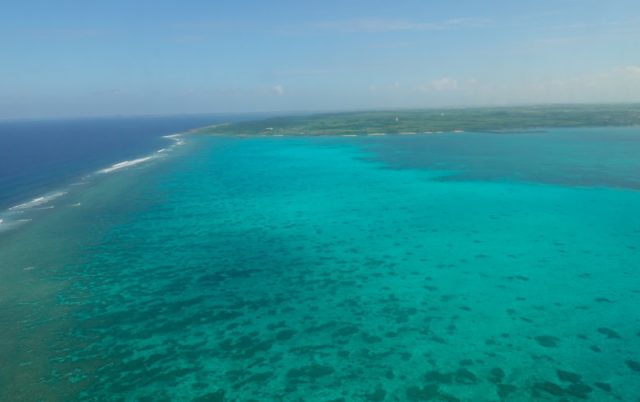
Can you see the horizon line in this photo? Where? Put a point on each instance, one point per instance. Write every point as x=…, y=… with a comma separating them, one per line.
x=285, y=113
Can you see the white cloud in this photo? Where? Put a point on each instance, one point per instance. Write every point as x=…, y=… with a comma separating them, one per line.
x=445, y=84
x=386, y=88
x=440, y=85
x=306, y=72
x=278, y=89
x=376, y=24
x=617, y=84
x=629, y=71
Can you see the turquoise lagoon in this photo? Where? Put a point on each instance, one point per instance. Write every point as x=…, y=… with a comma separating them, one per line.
x=452, y=267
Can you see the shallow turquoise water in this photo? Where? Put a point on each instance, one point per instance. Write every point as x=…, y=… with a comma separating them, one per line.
x=315, y=269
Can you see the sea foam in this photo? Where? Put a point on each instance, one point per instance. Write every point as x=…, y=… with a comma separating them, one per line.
x=38, y=201
x=125, y=164
x=8, y=221
x=176, y=138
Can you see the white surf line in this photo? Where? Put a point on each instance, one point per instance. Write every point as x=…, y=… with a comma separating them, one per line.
x=10, y=215
x=176, y=138
x=376, y=134
x=349, y=135
x=41, y=201
x=125, y=164
x=10, y=224
x=38, y=201
x=4, y=226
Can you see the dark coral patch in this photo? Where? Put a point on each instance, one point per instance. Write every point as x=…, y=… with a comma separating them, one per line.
x=465, y=376
x=567, y=376
x=603, y=386
x=309, y=373
x=285, y=334
x=633, y=365
x=504, y=390
x=426, y=393
x=217, y=396
x=609, y=333
x=548, y=388
x=548, y=341
x=580, y=390
x=496, y=375
x=347, y=331
x=437, y=377
x=377, y=395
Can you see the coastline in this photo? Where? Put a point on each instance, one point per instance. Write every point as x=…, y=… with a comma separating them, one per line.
x=502, y=120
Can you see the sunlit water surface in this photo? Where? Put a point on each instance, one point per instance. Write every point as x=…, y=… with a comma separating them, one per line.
x=452, y=267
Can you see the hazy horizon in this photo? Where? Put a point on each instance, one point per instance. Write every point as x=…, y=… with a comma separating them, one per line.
x=72, y=59
x=286, y=113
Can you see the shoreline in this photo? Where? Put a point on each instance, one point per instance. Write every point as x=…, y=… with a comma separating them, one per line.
x=535, y=130
x=428, y=121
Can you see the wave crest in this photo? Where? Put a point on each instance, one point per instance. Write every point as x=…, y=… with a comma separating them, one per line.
x=125, y=164
x=38, y=201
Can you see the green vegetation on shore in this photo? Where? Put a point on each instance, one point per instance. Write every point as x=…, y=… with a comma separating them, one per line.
x=431, y=120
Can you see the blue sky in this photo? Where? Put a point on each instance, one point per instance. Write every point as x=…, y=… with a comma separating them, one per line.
x=85, y=58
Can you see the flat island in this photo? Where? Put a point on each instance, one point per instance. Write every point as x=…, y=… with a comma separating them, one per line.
x=498, y=119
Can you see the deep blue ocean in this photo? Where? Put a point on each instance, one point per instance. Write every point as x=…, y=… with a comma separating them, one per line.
x=452, y=267
x=39, y=156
